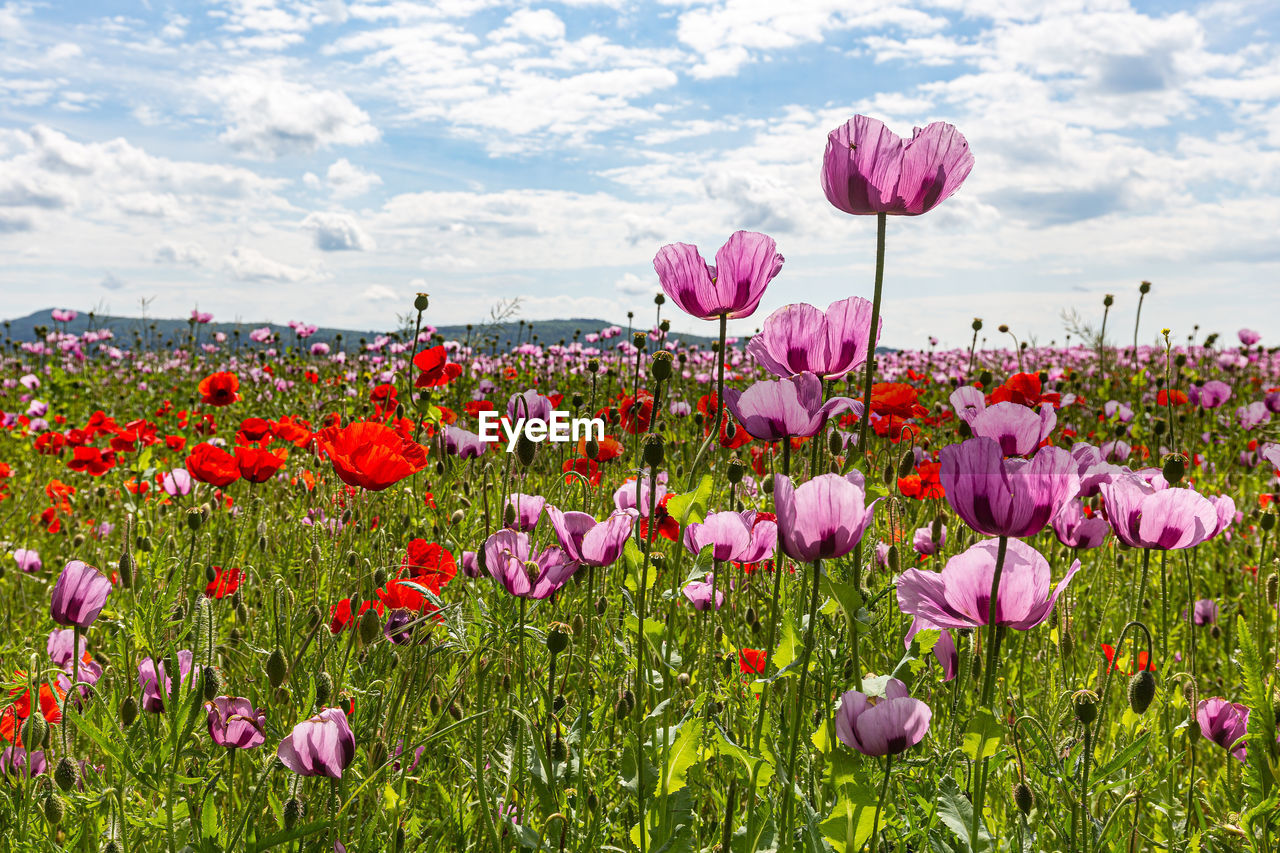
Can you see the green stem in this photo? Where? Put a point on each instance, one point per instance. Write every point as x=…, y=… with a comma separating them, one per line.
x=881, y=222
x=788, y=793
x=995, y=633
x=884, y=789
x=714, y=436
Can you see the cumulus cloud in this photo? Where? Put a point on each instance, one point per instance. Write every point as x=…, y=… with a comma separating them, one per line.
x=346, y=180
x=337, y=232
x=184, y=254
x=633, y=285
x=267, y=116
x=248, y=264
x=379, y=293
x=111, y=282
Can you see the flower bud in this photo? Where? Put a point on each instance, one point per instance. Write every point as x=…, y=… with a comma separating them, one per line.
x=1271, y=588
x=370, y=626
x=977, y=324
x=736, y=469
x=625, y=705
x=420, y=302
x=653, y=451
x=766, y=485
x=526, y=449
x=54, y=809
x=1023, y=797
x=212, y=681
x=602, y=604
x=1268, y=521
x=1144, y=288
x=293, y=811
x=126, y=567
x=377, y=754
x=324, y=688
x=1175, y=468
x=906, y=464
x=34, y=730
x=195, y=518
x=276, y=667
x=66, y=774
x=1108, y=300
x=128, y=711
x=1142, y=689
x=593, y=365
x=457, y=518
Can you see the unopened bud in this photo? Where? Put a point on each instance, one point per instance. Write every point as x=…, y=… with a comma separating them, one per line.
x=1085, y=704
x=736, y=469
x=66, y=774
x=324, y=688
x=276, y=668
x=293, y=811
x=653, y=451
x=1023, y=797
x=1142, y=689
x=370, y=626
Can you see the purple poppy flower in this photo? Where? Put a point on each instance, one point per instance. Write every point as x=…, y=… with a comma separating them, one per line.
x=699, y=593
x=1006, y=497
x=1114, y=408
x=1271, y=453
x=1115, y=451
x=1254, y=415
x=1224, y=723
x=800, y=338
x=79, y=595
x=470, y=564
x=1225, y=509
x=824, y=518
x=508, y=560
x=923, y=542
x=745, y=265
x=235, y=723
x=590, y=542
x=1249, y=337
x=59, y=647
x=1272, y=402
x=944, y=651
x=176, y=483
x=1093, y=469
x=1205, y=612
x=968, y=402
x=1167, y=519
x=959, y=596
x=152, y=678
x=1214, y=393
x=884, y=725
x=28, y=559
x=774, y=410
x=528, y=509
x=1017, y=429
x=1077, y=530
x=463, y=444
x=16, y=761
x=868, y=168
x=530, y=405
x=630, y=497
x=320, y=746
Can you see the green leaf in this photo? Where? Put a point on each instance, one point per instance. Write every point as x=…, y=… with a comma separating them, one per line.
x=955, y=810
x=1120, y=759
x=691, y=506
x=723, y=746
x=983, y=735
x=1259, y=772
x=685, y=752
x=846, y=593
x=787, y=646
x=852, y=820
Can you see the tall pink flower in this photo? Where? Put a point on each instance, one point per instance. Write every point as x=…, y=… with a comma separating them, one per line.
x=823, y=518
x=799, y=337
x=320, y=746
x=1167, y=519
x=868, y=168
x=884, y=725
x=745, y=265
x=1006, y=497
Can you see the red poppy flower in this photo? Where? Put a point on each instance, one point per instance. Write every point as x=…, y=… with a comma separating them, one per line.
x=254, y=429
x=636, y=412
x=370, y=455
x=584, y=466
x=475, y=407
x=258, y=465
x=1023, y=389
x=406, y=594
x=100, y=422
x=296, y=431
x=668, y=527
x=212, y=465
x=896, y=400
x=1163, y=396
x=1110, y=653
x=428, y=564
x=435, y=367
x=219, y=389
x=225, y=582
x=752, y=661
x=176, y=443
x=925, y=484
x=340, y=614
x=92, y=461
x=739, y=438
x=50, y=443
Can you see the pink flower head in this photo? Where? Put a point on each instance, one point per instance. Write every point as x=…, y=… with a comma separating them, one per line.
x=234, y=723
x=799, y=337
x=774, y=410
x=1166, y=519
x=960, y=595
x=868, y=168
x=745, y=265
x=508, y=559
x=587, y=541
x=79, y=595
x=884, y=725
x=822, y=519
x=320, y=746
x=1224, y=723
x=1006, y=497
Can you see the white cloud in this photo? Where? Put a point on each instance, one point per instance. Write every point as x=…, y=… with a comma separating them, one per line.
x=111, y=282
x=347, y=180
x=185, y=254
x=62, y=51
x=249, y=264
x=633, y=285
x=536, y=24
x=268, y=116
x=379, y=293
x=337, y=232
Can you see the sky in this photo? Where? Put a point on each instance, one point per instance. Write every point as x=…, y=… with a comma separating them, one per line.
x=321, y=160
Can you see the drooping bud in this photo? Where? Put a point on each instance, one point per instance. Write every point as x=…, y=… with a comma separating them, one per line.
x=526, y=449
x=906, y=464
x=557, y=637
x=1142, y=689
x=276, y=667
x=128, y=711
x=1085, y=705
x=66, y=774
x=293, y=811
x=324, y=688
x=653, y=451
x=54, y=809
x=370, y=626
x=1023, y=797
x=736, y=469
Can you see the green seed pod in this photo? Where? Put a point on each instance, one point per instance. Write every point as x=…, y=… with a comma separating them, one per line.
x=579, y=624
x=1023, y=797
x=212, y=683
x=893, y=558
x=509, y=516
x=277, y=669
x=420, y=302
x=128, y=711
x=653, y=451
x=766, y=485
x=559, y=750
x=1085, y=705
x=242, y=613
x=195, y=519
x=380, y=577
x=906, y=464
x=1175, y=468
x=433, y=704
x=834, y=443
x=557, y=638
x=1108, y=300
x=293, y=812
x=1142, y=689
x=660, y=366
x=324, y=688
x=370, y=626
x=735, y=471
x=984, y=378
x=887, y=475
x=1144, y=288
x=34, y=730
x=144, y=545
x=526, y=449
x=54, y=809
x=66, y=774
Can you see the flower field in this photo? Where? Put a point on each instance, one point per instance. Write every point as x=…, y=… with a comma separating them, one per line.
x=267, y=593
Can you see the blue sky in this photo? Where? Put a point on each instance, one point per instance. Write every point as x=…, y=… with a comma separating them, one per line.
x=324, y=160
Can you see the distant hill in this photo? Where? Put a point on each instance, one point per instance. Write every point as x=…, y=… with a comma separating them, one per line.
x=159, y=331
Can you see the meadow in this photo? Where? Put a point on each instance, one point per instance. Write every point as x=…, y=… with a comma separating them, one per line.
x=263, y=593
